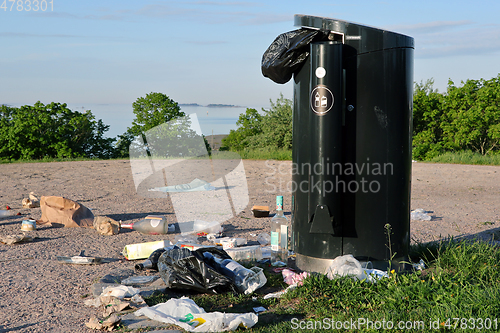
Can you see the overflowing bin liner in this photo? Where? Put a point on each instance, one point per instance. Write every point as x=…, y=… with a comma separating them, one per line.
x=181, y=268
x=288, y=52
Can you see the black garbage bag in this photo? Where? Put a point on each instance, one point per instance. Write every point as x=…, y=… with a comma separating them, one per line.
x=287, y=53
x=181, y=268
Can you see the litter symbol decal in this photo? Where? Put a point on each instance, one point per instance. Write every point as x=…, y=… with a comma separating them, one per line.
x=321, y=100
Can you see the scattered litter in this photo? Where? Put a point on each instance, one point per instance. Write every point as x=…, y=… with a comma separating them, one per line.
x=106, y=225
x=347, y=265
x=278, y=264
x=246, y=280
x=152, y=261
x=7, y=212
x=28, y=225
x=280, y=293
x=185, y=313
x=240, y=241
x=12, y=239
x=186, y=239
x=181, y=268
x=192, y=246
x=260, y=211
x=151, y=225
x=65, y=212
x=228, y=243
x=252, y=252
x=195, y=185
x=373, y=275
x=264, y=239
x=419, y=266
x=110, y=309
x=79, y=260
x=266, y=252
x=31, y=202
x=211, y=237
x=109, y=324
x=120, y=291
x=259, y=309
x=420, y=215
x=138, y=280
x=198, y=226
x=94, y=323
x=7, y=207
x=291, y=277
x=137, y=299
x=143, y=250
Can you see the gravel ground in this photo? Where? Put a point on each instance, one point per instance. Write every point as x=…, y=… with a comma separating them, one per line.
x=37, y=294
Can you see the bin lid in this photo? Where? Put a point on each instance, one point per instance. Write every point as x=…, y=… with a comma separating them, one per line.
x=361, y=37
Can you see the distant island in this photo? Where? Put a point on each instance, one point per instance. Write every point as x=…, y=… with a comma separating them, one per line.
x=190, y=104
x=213, y=105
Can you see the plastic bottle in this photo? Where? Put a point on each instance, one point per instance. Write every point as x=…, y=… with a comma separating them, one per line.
x=230, y=268
x=151, y=225
x=152, y=261
x=279, y=234
x=4, y=213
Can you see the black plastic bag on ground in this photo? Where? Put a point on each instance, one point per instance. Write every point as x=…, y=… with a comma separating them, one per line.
x=287, y=53
x=181, y=268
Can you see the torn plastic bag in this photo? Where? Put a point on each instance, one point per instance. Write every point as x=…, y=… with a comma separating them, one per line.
x=181, y=268
x=287, y=53
x=184, y=313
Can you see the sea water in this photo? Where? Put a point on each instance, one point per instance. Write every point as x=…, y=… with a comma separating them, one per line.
x=212, y=120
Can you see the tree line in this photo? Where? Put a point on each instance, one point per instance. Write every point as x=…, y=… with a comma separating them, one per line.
x=465, y=117
x=53, y=130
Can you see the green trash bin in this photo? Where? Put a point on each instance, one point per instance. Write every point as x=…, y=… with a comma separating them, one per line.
x=352, y=125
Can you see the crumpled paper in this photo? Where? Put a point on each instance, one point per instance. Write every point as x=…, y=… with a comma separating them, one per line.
x=111, y=301
x=12, y=239
x=106, y=225
x=107, y=324
x=32, y=201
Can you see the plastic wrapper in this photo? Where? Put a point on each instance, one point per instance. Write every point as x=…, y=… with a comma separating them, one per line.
x=181, y=268
x=287, y=53
x=420, y=214
x=184, y=313
x=347, y=265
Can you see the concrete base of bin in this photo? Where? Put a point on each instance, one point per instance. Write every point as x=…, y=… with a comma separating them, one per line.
x=321, y=265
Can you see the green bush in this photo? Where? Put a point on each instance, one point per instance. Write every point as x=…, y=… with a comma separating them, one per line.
x=51, y=131
x=465, y=118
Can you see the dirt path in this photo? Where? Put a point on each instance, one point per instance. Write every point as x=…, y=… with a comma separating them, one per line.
x=39, y=295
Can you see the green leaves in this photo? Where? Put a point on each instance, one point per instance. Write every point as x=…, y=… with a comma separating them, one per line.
x=463, y=118
x=51, y=131
x=151, y=111
x=271, y=130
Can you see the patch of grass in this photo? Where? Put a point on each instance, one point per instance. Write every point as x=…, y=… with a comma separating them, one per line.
x=462, y=281
x=467, y=157
x=55, y=159
x=267, y=153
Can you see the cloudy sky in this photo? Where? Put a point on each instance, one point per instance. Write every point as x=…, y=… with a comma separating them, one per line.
x=210, y=51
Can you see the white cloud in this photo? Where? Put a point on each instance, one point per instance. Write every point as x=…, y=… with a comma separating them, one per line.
x=429, y=27
x=451, y=38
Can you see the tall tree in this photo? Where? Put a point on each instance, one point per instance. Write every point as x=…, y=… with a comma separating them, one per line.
x=150, y=111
